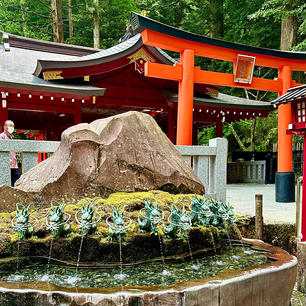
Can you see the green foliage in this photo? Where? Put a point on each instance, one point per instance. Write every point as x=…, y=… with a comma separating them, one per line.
x=256, y=23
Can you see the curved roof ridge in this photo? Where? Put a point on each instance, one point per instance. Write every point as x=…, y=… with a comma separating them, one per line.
x=47, y=46
x=120, y=50
x=140, y=23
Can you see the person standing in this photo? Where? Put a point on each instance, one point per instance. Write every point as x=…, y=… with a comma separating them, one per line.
x=9, y=128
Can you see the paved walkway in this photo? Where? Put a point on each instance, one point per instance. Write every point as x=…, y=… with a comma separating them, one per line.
x=242, y=197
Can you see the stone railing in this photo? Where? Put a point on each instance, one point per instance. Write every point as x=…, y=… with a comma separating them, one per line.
x=28, y=151
x=247, y=172
x=208, y=162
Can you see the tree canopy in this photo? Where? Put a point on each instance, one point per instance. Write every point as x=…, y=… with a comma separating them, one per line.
x=100, y=23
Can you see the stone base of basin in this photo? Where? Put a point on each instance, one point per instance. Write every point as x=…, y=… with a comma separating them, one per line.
x=267, y=285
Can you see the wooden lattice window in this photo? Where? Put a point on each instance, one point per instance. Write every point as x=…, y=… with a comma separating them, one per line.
x=300, y=112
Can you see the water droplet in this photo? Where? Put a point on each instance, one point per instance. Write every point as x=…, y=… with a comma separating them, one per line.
x=120, y=276
x=166, y=273
x=45, y=278
x=195, y=267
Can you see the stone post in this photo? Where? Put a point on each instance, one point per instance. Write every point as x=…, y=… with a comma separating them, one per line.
x=219, y=167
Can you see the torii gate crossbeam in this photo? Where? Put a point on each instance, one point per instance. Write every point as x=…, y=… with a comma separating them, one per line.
x=189, y=45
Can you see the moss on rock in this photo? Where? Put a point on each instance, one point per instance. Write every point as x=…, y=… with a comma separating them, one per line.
x=137, y=246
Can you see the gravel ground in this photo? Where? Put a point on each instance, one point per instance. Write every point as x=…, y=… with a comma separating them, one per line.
x=242, y=197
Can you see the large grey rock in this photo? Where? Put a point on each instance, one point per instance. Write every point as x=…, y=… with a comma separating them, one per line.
x=127, y=152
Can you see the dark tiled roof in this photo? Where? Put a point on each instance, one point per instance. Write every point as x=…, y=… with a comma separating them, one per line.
x=17, y=41
x=225, y=101
x=294, y=93
x=124, y=48
x=16, y=71
x=140, y=23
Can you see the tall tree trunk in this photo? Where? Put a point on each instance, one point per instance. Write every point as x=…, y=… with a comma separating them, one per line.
x=96, y=24
x=241, y=145
x=59, y=7
x=57, y=18
x=54, y=20
x=70, y=19
x=253, y=127
x=289, y=29
x=289, y=32
x=23, y=18
x=216, y=18
x=290, y=26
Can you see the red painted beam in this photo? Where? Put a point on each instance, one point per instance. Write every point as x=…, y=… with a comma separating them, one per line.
x=227, y=80
x=162, y=71
x=44, y=93
x=41, y=107
x=171, y=43
x=209, y=77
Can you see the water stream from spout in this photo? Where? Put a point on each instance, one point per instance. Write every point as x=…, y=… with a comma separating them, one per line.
x=49, y=257
x=195, y=266
x=121, y=276
x=229, y=239
x=161, y=248
x=218, y=262
x=165, y=271
x=79, y=255
x=213, y=241
x=189, y=247
x=18, y=251
x=120, y=258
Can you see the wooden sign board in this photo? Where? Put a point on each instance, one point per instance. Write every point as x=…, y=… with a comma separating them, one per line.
x=244, y=69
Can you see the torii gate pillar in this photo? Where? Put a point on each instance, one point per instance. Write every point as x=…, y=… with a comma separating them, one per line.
x=284, y=179
x=185, y=100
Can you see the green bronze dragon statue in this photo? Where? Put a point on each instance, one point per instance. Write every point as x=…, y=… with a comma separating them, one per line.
x=22, y=225
x=179, y=224
x=153, y=216
x=56, y=224
x=87, y=225
x=117, y=231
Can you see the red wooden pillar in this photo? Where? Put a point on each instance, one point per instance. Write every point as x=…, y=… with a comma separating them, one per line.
x=185, y=100
x=171, y=123
x=3, y=114
x=303, y=212
x=284, y=180
x=219, y=128
x=284, y=118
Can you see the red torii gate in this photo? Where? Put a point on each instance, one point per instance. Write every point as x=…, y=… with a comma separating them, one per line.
x=189, y=45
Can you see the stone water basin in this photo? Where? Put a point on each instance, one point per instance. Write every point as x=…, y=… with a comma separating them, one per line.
x=258, y=275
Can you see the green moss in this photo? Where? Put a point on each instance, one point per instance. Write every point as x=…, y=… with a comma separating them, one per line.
x=6, y=216
x=14, y=238
x=200, y=236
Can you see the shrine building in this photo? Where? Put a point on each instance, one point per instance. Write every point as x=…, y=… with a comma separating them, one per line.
x=50, y=86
